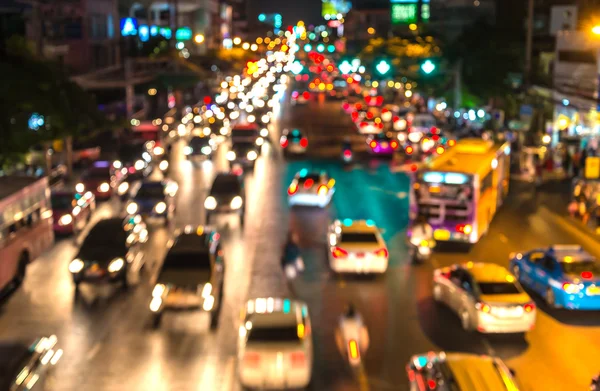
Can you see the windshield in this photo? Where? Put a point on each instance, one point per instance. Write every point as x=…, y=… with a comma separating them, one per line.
x=243, y=133
x=358, y=237
x=243, y=147
x=63, y=201
x=98, y=173
x=498, y=288
x=151, y=190
x=187, y=260
x=273, y=334
x=580, y=267
x=226, y=184
x=98, y=237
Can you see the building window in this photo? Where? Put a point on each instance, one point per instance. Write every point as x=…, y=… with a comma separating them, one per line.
x=110, y=27
x=98, y=28
x=577, y=56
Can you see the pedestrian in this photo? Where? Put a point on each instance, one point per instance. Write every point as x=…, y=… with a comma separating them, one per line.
x=567, y=161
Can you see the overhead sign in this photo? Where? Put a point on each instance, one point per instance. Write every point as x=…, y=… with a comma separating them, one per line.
x=183, y=34
x=592, y=167
x=129, y=26
x=410, y=11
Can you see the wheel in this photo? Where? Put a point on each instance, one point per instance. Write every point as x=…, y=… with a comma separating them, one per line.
x=437, y=293
x=517, y=272
x=156, y=319
x=550, y=298
x=21, y=269
x=465, y=320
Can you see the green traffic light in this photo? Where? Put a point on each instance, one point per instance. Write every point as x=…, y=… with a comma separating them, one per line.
x=307, y=47
x=320, y=48
x=383, y=67
x=331, y=48
x=428, y=67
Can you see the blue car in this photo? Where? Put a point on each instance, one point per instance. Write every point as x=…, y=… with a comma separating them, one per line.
x=566, y=276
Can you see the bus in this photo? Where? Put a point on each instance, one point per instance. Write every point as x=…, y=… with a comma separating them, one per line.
x=460, y=191
x=25, y=225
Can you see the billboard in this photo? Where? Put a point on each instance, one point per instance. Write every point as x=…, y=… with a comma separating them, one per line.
x=331, y=8
x=410, y=11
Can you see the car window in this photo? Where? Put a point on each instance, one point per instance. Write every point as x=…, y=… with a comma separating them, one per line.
x=498, y=288
x=151, y=190
x=273, y=334
x=187, y=260
x=98, y=173
x=226, y=184
x=199, y=141
x=456, y=277
x=536, y=257
x=465, y=282
x=310, y=177
x=62, y=201
x=358, y=237
x=548, y=263
x=580, y=267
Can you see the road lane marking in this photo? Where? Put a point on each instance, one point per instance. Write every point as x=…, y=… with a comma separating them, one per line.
x=93, y=351
x=503, y=238
x=229, y=375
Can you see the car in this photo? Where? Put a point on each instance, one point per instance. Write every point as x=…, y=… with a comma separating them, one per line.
x=200, y=148
x=110, y=252
x=191, y=276
x=311, y=189
x=28, y=366
x=356, y=246
x=300, y=98
x=226, y=195
x=459, y=371
x=71, y=211
x=383, y=143
x=350, y=104
x=485, y=296
x=275, y=348
x=243, y=153
x=248, y=132
x=101, y=179
x=566, y=276
x=153, y=199
x=293, y=142
x=135, y=158
x=370, y=126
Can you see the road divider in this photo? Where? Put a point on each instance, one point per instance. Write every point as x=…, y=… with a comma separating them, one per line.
x=585, y=237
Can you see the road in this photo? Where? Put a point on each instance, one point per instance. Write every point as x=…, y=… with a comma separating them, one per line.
x=109, y=344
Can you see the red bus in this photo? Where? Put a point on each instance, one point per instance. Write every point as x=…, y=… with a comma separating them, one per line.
x=25, y=225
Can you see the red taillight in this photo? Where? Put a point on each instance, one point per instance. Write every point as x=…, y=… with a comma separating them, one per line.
x=306, y=95
x=396, y=118
x=348, y=153
x=464, y=228
x=295, y=94
x=380, y=125
x=435, y=137
x=409, y=150
x=384, y=111
x=346, y=106
x=292, y=189
x=353, y=349
x=323, y=189
x=382, y=252
x=394, y=144
x=413, y=168
x=529, y=307
x=373, y=144
x=369, y=115
x=338, y=252
x=304, y=142
x=354, y=115
x=363, y=124
x=284, y=142
x=358, y=106
x=432, y=384
x=297, y=359
x=251, y=359
x=308, y=183
x=131, y=170
x=587, y=275
x=434, y=130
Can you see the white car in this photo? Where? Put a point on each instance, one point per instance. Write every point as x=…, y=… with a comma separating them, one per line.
x=356, y=246
x=370, y=126
x=275, y=344
x=486, y=297
x=311, y=189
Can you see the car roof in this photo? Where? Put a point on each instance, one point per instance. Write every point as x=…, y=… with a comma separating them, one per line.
x=192, y=242
x=569, y=254
x=357, y=226
x=274, y=312
x=487, y=272
x=472, y=372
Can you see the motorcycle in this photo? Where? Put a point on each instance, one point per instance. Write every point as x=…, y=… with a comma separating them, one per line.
x=422, y=251
x=293, y=268
x=354, y=338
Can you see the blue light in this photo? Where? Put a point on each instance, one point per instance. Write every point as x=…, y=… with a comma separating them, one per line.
x=370, y=223
x=507, y=150
x=262, y=17
x=128, y=26
x=144, y=33
x=164, y=31
x=457, y=114
x=422, y=361
x=35, y=121
x=303, y=172
x=452, y=178
x=347, y=222
x=433, y=177
x=183, y=34
x=154, y=30
x=565, y=102
x=286, y=306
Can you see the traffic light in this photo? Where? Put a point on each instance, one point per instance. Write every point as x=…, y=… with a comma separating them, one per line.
x=345, y=67
x=307, y=47
x=383, y=67
x=428, y=67
x=330, y=48
x=320, y=48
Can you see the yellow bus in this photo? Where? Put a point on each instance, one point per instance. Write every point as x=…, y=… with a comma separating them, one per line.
x=460, y=191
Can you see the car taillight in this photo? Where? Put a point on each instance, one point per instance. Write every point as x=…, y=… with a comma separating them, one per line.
x=292, y=189
x=338, y=252
x=353, y=349
x=529, y=307
x=298, y=359
x=587, y=275
x=409, y=150
x=373, y=144
x=306, y=95
x=363, y=124
x=304, y=142
x=369, y=115
x=295, y=94
x=464, y=228
x=394, y=144
x=345, y=106
x=483, y=307
x=322, y=190
x=347, y=153
x=308, y=183
x=435, y=137
x=434, y=130
x=284, y=142
x=382, y=252
x=251, y=359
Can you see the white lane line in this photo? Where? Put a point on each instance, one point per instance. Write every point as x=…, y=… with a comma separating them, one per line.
x=488, y=347
x=503, y=238
x=93, y=351
x=229, y=375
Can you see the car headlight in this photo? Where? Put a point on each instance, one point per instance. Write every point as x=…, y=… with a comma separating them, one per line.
x=139, y=164
x=163, y=165
x=65, y=220
x=117, y=164
x=159, y=290
x=160, y=207
x=147, y=156
x=155, y=304
x=236, y=202
x=104, y=187
x=209, y=302
x=206, y=150
x=158, y=150
x=210, y=203
x=260, y=141
x=265, y=119
x=251, y=118
x=76, y=265
x=230, y=155
x=206, y=131
x=80, y=187
x=123, y=187
x=187, y=150
x=115, y=265
x=264, y=132
x=251, y=155
x=206, y=289
x=132, y=208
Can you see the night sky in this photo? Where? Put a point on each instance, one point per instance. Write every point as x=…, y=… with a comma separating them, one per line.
x=291, y=10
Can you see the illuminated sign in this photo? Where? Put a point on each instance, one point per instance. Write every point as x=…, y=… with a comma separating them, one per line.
x=410, y=11
x=128, y=26
x=332, y=9
x=183, y=34
x=144, y=33
x=164, y=32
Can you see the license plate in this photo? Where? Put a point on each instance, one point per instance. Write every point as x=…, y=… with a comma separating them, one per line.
x=384, y=145
x=441, y=234
x=360, y=255
x=593, y=290
x=509, y=312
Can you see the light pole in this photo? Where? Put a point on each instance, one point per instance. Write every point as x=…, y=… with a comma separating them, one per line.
x=529, y=42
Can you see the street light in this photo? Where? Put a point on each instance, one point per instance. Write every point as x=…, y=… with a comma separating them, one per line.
x=371, y=30
x=596, y=30
x=199, y=38
x=237, y=40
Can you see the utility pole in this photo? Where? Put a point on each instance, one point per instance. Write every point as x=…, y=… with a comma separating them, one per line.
x=458, y=84
x=529, y=43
